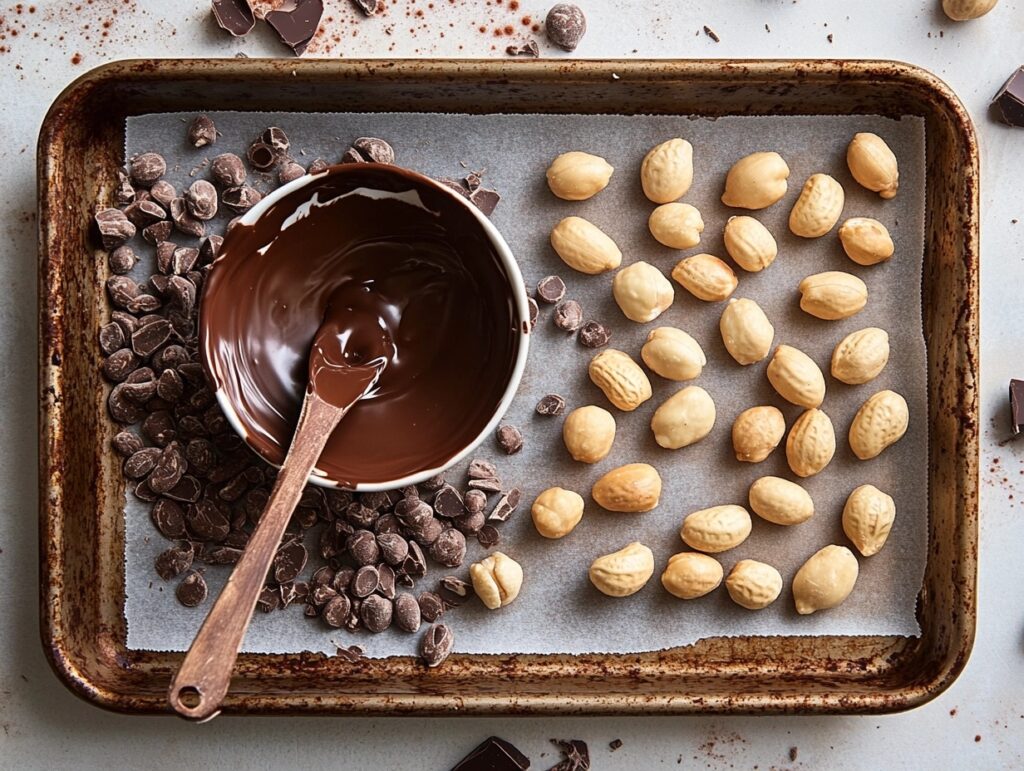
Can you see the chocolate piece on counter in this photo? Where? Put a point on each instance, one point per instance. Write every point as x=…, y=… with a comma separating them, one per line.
x=184, y=221
x=289, y=561
x=337, y=610
x=614, y=744
x=1009, y=100
x=576, y=756
x=550, y=404
x=534, y=312
x=240, y=199
x=594, y=334
x=192, y=590
x=374, y=150
x=449, y=548
x=528, y=49
x=202, y=132
x=436, y=645
x=227, y=170
x=482, y=469
x=714, y=35
x=114, y=227
x=369, y=7
x=488, y=536
x=163, y=192
x=488, y=485
x=510, y=439
x=474, y=501
x=289, y=172
x=201, y=199
x=448, y=503
x=268, y=600
x=318, y=166
x=234, y=16
x=297, y=25
x=376, y=613
x=158, y=232
x=494, y=754
x=568, y=316
x=550, y=289
x=507, y=504
x=1017, y=405
x=565, y=25
x=142, y=214
x=431, y=606
x=261, y=156
x=485, y=199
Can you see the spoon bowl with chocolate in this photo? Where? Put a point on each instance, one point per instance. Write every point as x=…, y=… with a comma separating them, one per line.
x=408, y=275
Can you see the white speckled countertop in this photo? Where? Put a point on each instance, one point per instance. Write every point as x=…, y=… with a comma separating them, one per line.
x=978, y=723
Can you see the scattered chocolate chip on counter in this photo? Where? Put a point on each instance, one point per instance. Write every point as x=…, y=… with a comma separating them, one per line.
x=1009, y=100
x=494, y=754
x=593, y=334
x=296, y=23
x=614, y=744
x=368, y=7
x=510, y=439
x=550, y=290
x=568, y=316
x=551, y=404
x=565, y=25
x=529, y=49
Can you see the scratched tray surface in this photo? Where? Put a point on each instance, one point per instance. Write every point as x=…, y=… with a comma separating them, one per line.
x=558, y=610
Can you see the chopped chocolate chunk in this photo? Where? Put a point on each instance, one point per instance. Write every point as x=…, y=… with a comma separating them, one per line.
x=594, y=335
x=241, y=199
x=449, y=548
x=192, y=590
x=234, y=16
x=202, y=132
x=534, y=312
x=207, y=521
x=163, y=192
x=568, y=316
x=352, y=156
x=431, y=606
x=119, y=365
x=565, y=25
x=369, y=7
x=126, y=443
x=510, y=439
x=436, y=645
x=169, y=469
x=201, y=199
x=448, y=502
x=209, y=248
x=374, y=150
x=336, y=612
x=470, y=522
x=386, y=582
x=122, y=259
x=1009, y=100
x=146, y=168
x=140, y=463
x=142, y=214
x=124, y=193
x=393, y=548
x=376, y=613
x=111, y=338
x=318, y=166
x=261, y=156
x=494, y=754
x=575, y=755
x=175, y=561
x=485, y=199
x=507, y=504
x=714, y=36
x=528, y=49
x=407, y=613
x=457, y=586
x=184, y=221
x=488, y=485
x=289, y=561
x=1017, y=405
x=228, y=170
x=114, y=227
x=488, y=536
x=290, y=171
x=276, y=139
x=145, y=340
x=551, y=290
x=454, y=184
x=550, y=404
x=268, y=601
x=157, y=232
x=474, y=501
x=482, y=469
x=415, y=564
x=614, y=744
x=296, y=22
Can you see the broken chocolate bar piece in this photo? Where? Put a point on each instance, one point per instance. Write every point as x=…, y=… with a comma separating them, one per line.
x=234, y=16
x=296, y=22
x=494, y=754
x=1009, y=100
x=1017, y=405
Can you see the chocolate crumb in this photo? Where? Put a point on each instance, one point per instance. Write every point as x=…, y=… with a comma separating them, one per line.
x=202, y=132
x=711, y=34
x=510, y=439
x=551, y=404
x=793, y=751
x=368, y=7
x=614, y=744
x=529, y=49
x=575, y=755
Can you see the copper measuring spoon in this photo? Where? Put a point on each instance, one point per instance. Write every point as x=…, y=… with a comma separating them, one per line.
x=340, y=374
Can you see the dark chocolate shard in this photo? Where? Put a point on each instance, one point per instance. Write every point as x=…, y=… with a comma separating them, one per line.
x=296, y=22
x=369, y=7
x=234, y=16
x=529, y=49
x=494, y=754
x=1009, y=101
x=1017, y=405
x=485, y=199
x=575, y=755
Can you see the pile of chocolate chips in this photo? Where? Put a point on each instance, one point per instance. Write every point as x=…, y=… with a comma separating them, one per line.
x=206, y=488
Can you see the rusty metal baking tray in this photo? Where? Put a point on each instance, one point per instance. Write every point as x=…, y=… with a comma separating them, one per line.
x=81, y=489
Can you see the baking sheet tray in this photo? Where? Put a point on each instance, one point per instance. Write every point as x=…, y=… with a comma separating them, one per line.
x=83, y=626
x=558, y=610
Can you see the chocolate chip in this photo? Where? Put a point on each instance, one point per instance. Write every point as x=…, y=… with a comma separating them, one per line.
x=207, y=521
x=529, y=49
x=175, y=561
x=145, y=340
x=296, y=23
x=201, y=200
x=241, y=199
x=126, y=443
x=336, y=611
x=510, y=439
x=157, y=232
x=488, y=536
x=228, y=170
x=289, y=561
x=146, y=168
x=550, y=289
x=261, y=156
x=318, y=166
x=426, y=533
x=436, y=645
x=506, y=505
x=183, y=220
x=594, y=335
x=449, y=548
x=565, y=25
x=169, y=469
x=192, y=590
x=375, y=150
x=202, y=131
x=141, y=462
x=534, y=312
x=568, y=316
x=489, y=485
x=387, y=579
x=551, y=404
x=448, y=502
x=111, y=338
x=320, y=595
x=144, y=213
x=234, y=16
x=393, y=548
x=163, y=192
x=268, y=601
x=124, y=194
x=209, y=248
x=413, y=512
x=343, y=579
x=415, y=564
x=122, y=260
x=376, y=613
x=169, y=518
x=119, y=365
x=352, y=156
x=369, y=7
x=365, y=581
x=407, y=613
x=575, y=755
x=481, y=469
x=114, y=227
x=187, y=490
x=362, y=545
x=289, y=172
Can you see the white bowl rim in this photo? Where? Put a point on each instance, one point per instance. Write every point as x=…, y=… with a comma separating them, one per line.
x=518, y=287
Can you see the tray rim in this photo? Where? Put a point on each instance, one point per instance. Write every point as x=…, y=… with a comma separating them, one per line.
x=755, y=70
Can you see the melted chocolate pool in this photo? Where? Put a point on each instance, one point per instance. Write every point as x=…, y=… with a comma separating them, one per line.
x=408, y=273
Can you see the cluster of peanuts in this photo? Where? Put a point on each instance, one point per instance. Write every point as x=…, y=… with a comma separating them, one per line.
x=643, y=293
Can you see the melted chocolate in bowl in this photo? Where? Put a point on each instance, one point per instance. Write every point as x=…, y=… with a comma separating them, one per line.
x=407, y=272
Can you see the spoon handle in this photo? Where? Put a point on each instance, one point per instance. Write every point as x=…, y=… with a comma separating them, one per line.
x=203, y=678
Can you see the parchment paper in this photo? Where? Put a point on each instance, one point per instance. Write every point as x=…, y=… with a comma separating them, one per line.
x=558, y=610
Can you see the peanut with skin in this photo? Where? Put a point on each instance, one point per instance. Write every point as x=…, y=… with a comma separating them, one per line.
x=866, y=241
x=642, y=292
x=811, y=443
x=756, y=433
x=556, y=512
x=818, y=208
x=667, y=171
x=684, y=418
x=825, y=580
x=673, y=354
x=676, y=225
x=577, y=176
x=624, y=572
x=717, y=529
x=796, y=377
x=585, y=247
x=620, y=379
x=749, y=243
x=873, y=164
x=690, y=575
x=753, y=585
x=756, y=181
x=588, y=433
x=880, y=422
x=633, y=488
x=706, y=277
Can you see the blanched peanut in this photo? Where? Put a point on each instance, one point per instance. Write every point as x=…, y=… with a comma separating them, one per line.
x=746, y=331
x=756, y=181
x=825, y=580
x=676, y=225
x=780, y=501
x=868, y=517
x=556, y=512
x=673, y=354
x=576, y=176
x=635, y=487
x=620, y=378
x=667, y=171
x=866, y=241
x=861, y=356
x=706, y=277
x=833, y=295
x=642, y=292
x=818, y=208
x=684, y=418
x=749, y=243
x=585, y=247
x=880, y=422
x=497, y=580
x=873, y=164
x=717, y=529
x=811, y=443
x=796, y=378
x=588, y=433
x=624, y=572
x=690, y=575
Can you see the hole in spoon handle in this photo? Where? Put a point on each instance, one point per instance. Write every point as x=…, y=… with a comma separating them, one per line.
x=192, y=702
